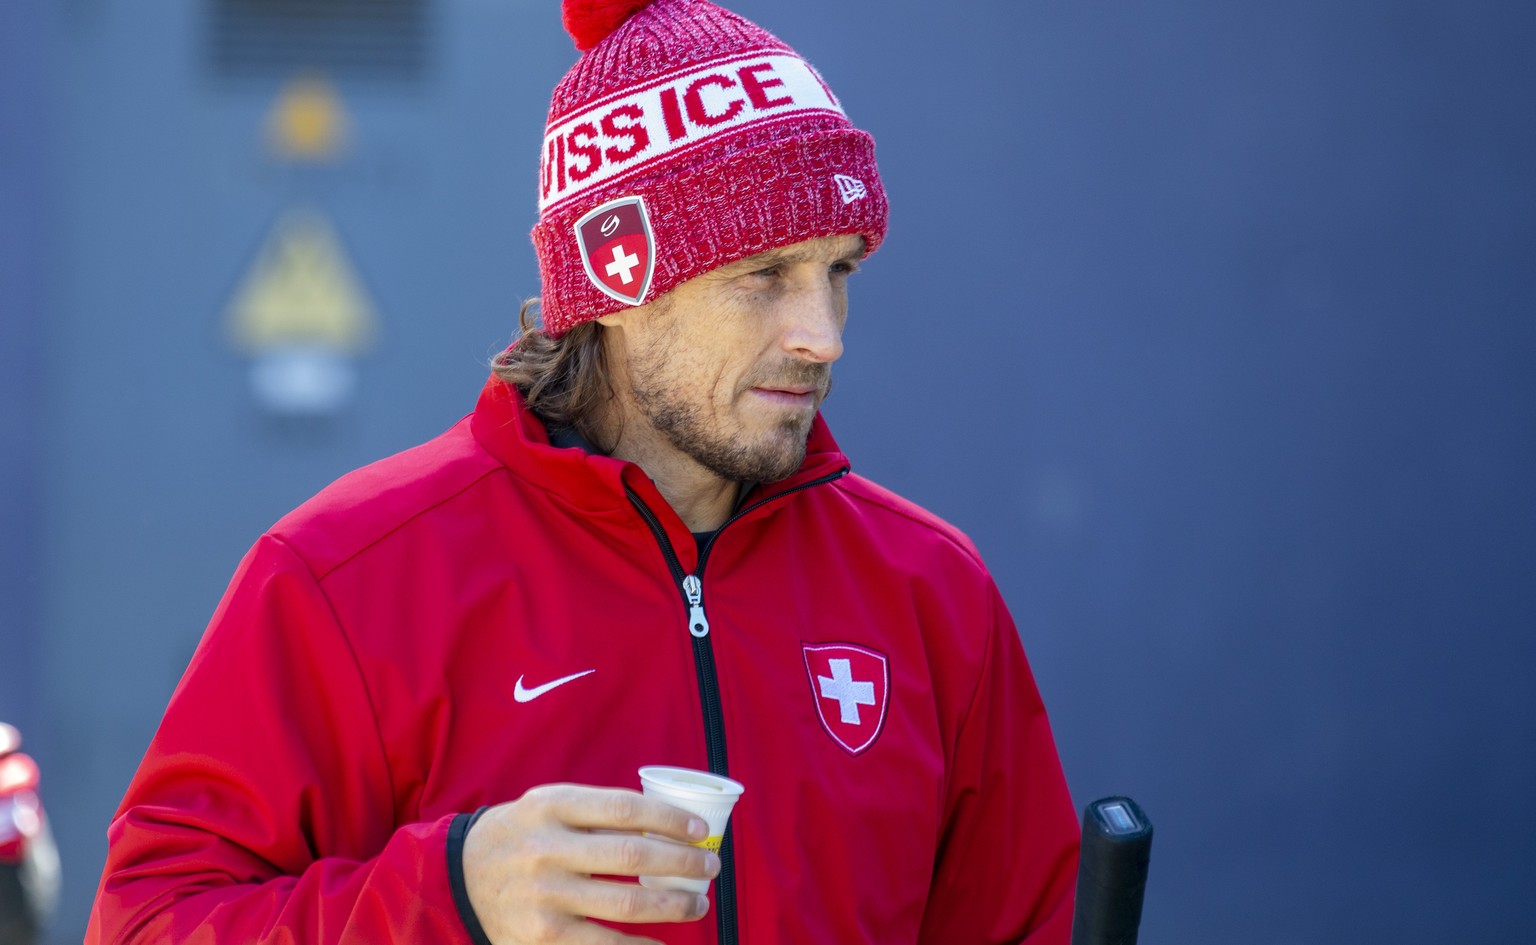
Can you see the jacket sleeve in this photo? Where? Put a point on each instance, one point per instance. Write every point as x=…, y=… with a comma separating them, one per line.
x=1007, y=868
x=263, y=810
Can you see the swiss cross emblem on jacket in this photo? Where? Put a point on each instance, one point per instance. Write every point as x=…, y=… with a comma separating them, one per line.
x=850, y=685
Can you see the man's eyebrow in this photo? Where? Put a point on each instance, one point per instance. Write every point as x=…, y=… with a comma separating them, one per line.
x=769, y=259
x=791, y=254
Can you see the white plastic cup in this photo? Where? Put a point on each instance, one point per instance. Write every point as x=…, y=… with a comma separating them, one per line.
x=710, y=796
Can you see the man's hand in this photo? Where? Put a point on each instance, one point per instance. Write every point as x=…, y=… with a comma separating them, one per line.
x=528, y=865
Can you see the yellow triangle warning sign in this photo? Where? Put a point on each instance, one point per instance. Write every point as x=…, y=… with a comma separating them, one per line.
x=301, y=291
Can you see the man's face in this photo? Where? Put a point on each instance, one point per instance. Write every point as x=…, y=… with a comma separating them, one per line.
x=729, y=368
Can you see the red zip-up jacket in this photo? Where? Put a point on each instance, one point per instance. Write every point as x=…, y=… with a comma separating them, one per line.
x=366, y=680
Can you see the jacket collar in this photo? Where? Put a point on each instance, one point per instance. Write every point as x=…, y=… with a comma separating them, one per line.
x=601, y=484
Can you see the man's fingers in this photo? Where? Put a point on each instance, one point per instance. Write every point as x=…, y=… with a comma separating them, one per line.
x=529, y=863
x=630, y=854
x=617, y=809
x=632, y=903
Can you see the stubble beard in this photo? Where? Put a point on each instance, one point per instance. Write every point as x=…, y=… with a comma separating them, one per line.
x=770, y=457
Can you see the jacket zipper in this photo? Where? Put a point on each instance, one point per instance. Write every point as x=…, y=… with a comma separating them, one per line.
x=692, y=588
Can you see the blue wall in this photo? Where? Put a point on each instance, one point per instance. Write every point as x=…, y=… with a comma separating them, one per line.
x=23, y=232
x=1211, y=322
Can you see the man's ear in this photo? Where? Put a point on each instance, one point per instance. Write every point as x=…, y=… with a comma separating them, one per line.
x=621, y=319
x=616, y=319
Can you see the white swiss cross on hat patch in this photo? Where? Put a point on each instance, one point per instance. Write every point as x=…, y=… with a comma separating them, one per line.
x=617, y=248
x=851, y=687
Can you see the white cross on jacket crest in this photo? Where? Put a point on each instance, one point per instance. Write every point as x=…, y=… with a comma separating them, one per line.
x=849, y=693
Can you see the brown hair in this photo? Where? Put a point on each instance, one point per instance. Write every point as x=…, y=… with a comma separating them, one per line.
x=563, y=380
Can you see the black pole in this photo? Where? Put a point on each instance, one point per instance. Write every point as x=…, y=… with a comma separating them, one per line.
x=1112, y=873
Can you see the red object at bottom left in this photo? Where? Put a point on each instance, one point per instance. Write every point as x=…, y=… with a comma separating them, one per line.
x=29, y=861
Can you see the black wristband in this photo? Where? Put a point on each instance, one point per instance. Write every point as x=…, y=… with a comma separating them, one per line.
x=458, y=829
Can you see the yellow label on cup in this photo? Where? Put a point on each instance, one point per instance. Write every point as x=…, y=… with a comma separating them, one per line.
x=712, y=844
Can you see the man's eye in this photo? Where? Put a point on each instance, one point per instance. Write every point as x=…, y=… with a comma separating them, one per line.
x=766, y=274
x=844, y=268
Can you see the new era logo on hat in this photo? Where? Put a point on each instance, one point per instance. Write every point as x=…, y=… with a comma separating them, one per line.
x=851, y=188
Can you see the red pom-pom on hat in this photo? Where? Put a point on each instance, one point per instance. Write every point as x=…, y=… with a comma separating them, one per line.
x=590, y=21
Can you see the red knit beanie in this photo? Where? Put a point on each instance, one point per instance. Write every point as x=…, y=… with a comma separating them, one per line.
x=686, y=138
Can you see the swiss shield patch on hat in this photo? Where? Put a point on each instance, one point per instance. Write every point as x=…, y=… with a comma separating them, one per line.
x=851, y=686
x=617, y=248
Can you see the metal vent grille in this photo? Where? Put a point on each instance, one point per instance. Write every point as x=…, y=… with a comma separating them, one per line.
x=371, y=37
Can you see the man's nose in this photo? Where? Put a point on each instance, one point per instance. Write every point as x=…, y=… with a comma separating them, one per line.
x=814, y=328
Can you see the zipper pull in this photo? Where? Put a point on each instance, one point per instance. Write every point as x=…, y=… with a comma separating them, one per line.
x=698, y=624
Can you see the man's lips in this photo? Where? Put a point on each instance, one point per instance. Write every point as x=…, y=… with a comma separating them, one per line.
x=798, y=385
x=788, y=395
x=788, y=388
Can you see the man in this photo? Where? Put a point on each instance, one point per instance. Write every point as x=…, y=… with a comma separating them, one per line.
x=419, y=711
